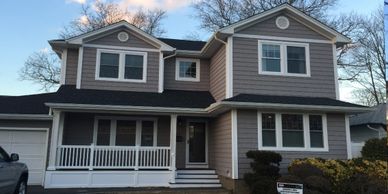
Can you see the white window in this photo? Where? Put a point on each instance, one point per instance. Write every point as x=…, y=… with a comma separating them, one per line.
x=124, y=131
x=187, y=69
x=284, y=58
x=292, y=131
x=114, y=65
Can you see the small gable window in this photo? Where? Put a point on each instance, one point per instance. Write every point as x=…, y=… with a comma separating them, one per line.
x=284, y=58
x=113, y=65
x=187, y=69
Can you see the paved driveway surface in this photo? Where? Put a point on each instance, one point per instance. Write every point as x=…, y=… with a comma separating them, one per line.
x=40, y=190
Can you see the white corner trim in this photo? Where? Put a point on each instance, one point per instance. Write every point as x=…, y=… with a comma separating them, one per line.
x=79, y=66
x=229, y=68
x=197, y=69
x=348, y=141
x=337, y=94
x=234, y=145
x=121, y=65
x=161, y=73
x=283, y=58
x=63, y=67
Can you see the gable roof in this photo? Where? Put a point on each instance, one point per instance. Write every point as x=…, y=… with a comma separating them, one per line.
x=79, y=39
x=231, y=28
x=377, y=116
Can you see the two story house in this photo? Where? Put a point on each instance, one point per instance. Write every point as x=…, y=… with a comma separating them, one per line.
x=135, y=110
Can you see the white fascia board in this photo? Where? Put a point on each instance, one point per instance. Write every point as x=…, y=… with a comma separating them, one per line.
x=26, y=116
x=231, y=28
x=79, y=39
x=302, y=108
x=126, y=108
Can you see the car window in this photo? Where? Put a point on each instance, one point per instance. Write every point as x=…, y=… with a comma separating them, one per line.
x=3, y=155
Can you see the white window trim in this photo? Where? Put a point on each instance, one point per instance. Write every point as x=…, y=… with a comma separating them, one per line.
x=283, y=58
x=306, y=132
x=121, y=65
x=177, y=66
x=113, y=128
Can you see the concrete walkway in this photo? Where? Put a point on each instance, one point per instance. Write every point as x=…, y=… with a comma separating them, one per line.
x=40, y=190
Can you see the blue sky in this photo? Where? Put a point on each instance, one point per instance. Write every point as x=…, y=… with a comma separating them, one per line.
x=27, y=25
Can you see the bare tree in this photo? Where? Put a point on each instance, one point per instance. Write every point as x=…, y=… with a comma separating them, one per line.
x=101, y=14
x=42, y=68
x=364, y=61
x=215, y=14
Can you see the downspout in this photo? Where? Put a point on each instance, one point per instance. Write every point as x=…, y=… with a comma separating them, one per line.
x=378, y=131
x=216, y=38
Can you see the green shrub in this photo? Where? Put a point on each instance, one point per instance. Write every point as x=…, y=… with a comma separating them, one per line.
x=355, y=176
x=312, y=178
x=265, y=168
x=375, y=149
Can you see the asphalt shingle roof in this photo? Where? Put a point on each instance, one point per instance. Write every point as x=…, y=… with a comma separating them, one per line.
x=169, y=98
x=297, y=100
x=377, y=116
x=190, y=45
x=29, y=104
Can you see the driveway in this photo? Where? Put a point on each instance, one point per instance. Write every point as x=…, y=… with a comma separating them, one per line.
x=40, y=190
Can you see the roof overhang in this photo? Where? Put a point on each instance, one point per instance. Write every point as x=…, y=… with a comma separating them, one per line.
x=339, y=38
x=79, y=40
x=212, y=110
x=289, y=107
x=126, y=108
x=26, y=116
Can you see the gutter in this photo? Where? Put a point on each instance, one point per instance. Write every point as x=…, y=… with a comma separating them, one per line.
x=43, y=117
x=127, y=108
x=214, y=108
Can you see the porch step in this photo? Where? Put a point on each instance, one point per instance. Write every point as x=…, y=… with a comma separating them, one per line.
x=199, y=171
x=196, y=178
x=194, y=185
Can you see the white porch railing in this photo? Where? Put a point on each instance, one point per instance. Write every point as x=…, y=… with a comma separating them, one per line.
x=112, y=157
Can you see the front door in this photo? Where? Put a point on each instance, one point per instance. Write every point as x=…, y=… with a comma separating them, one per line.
x=196, y=152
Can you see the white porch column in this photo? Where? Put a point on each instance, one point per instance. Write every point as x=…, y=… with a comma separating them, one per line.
x=173, y=124
x=56, y=138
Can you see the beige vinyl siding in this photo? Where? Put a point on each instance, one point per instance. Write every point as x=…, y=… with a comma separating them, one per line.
x=88, y=80
x=218, y=74
x=220, y=144
x=248, y=140
x=71, y=66
x=110, y=39
x=171, y=84
x=268, y=28
x=246, y=78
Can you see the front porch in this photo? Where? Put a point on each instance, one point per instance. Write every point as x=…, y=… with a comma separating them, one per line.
x=118, y=150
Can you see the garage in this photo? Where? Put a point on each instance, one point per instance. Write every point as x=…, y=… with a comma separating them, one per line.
x=31, y=145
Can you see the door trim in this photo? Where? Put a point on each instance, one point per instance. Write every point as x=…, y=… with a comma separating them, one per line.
x=197, y=164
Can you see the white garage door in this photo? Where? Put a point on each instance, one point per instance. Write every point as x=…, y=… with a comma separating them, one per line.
x=31, y=147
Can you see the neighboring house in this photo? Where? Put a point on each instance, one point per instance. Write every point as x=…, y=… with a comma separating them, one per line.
x=367, y=126
x=134, y=110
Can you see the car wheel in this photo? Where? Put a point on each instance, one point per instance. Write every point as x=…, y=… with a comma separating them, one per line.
x=21, y=187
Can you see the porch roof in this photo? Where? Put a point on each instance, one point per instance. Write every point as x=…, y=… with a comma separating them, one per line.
x=169, y=98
